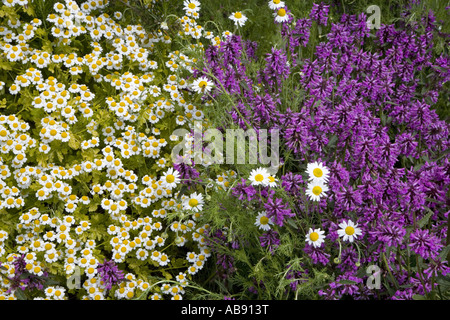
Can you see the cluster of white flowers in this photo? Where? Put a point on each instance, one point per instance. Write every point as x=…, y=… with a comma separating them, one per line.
x=262, y=177
x=67, y=114
x=318, y=178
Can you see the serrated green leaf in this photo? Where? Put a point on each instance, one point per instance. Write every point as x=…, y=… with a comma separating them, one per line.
x=422, y=222
x=332, y=141
x=74, y=143
x=20, y=294
x=444, y=252
x=29, y=10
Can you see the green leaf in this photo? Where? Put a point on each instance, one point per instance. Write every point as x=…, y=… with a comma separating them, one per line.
x=422, y=222
x=167, y=275
x=74, y=143
x=20, y=294
x=361, y=273
x=444, y=252
x=5, y=65
x=51, y=281
x=291, y=222
x=29, y=10
x=93, y=207
x=347, y=282
x=433, y=200
x=418, y=297
x=332, y=141
x=60, y=155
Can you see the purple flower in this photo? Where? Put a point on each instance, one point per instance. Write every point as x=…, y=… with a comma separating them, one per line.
x=276, y=70
x=187, y=172
x=277, y=210
x=437, y=268
x=299, y=34
x=264, y=109
x=345, y=284
x=317, y=255
x=406, y=294
x=302, y=276
x=270, y=240
x=244, y=192
x=24, y=280
x=110, y=274
x=390, y=232
x=319, y=13
x=425, y=244
x=292, y=183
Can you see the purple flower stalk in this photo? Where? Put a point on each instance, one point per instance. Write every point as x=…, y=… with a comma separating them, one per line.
x=110, y=274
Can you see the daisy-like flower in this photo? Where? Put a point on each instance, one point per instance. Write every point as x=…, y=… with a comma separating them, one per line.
x=191, y=5
x=317, y=172
x=349, y=231
x=202, y=85
x=316, y=190
x=281, y=15
x=276, y=4
x=259, y=176
x=272, y=181
x=194, y=202
x=263, y=221
x=170, y=178
x=238, y=18
x=315, y=237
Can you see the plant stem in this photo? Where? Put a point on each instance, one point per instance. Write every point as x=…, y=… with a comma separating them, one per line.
x=390, y=272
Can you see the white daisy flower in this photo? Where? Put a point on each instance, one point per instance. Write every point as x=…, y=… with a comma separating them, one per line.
x=276, y=4
x=281, y=15
x=194, y=202
x=141, y=254
x=191, y=5
x=170, y=178
x=238, y=18
x=316, y=190
x=349, y=231
x=317, y=172
x=273, y=182
x=259, y=176
x=315, y=237
x=202, y=85
x=263, y=221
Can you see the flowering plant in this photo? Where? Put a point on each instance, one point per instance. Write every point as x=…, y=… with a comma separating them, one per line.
x=89, y=197
x=97, y=97
x=364, y=179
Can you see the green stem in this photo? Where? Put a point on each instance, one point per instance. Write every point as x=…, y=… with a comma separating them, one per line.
x=389, y=270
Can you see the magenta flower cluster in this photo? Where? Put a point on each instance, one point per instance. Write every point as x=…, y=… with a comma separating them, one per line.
x=363, y=106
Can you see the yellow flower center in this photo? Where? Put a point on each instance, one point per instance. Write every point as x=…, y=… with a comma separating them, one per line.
x=314, y=236
x=264, y=220
x=317, y=172
x=281, y=12
x=170, y=178
x=191, y=5
x=276, y=1
x=238, y=15
x=349, y=230
x=193, y=202
x=202, y=84
x=317, y=190
x=259, y=177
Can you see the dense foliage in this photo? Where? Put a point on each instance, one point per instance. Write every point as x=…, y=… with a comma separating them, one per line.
x=96, y=95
